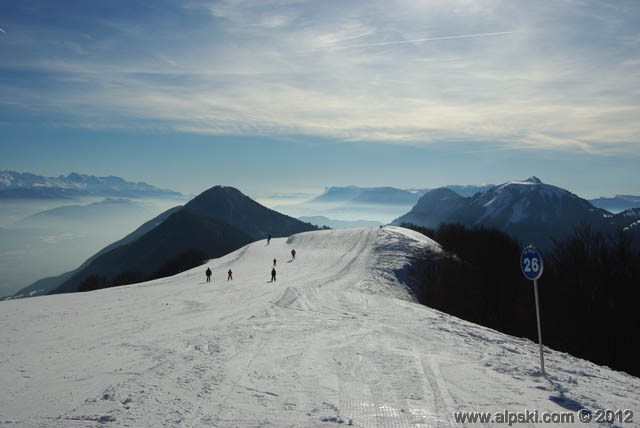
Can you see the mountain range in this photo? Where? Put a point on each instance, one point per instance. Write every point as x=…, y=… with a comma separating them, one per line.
x=363, y=204
x=216, y=222
x=368, y=195
x=618, y=203
x=66, y=217
x=16, y=185
x=385, y=195
x=529, y=210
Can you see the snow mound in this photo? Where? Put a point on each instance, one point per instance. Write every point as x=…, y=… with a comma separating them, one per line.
x=371, y=260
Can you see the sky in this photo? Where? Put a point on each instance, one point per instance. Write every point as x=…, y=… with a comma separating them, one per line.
x=284, y=98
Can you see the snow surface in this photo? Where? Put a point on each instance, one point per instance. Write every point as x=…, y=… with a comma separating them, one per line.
x=337, y=338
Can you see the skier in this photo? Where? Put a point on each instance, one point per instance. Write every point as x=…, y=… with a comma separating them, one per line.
x=268, y=239
x=208, y=273
x=293, y=254
x=229, y=275
x=273, y=275
x=274, y=262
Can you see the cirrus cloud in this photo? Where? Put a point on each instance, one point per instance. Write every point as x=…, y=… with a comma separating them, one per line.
x=552, y=75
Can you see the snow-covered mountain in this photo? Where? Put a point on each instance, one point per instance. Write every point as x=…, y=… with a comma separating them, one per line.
x=337, y=338
x=27, y=185
x=529, y=210
x=532, y=201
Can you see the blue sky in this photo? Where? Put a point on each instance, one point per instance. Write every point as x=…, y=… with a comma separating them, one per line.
x=286, y=97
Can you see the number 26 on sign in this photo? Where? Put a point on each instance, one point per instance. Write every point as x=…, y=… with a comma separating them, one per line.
x=531, y=263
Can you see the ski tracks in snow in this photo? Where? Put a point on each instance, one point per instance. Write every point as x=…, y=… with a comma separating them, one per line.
x=359, y=390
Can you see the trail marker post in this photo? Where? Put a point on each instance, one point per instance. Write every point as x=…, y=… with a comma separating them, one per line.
x=532, y=267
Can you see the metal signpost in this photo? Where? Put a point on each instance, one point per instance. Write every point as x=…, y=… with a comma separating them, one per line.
x=532, y=266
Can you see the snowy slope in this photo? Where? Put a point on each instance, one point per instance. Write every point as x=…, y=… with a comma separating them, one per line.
x=336, y=337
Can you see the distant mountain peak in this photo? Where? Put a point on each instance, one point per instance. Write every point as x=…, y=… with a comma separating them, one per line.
x=443, y=193
x=529, y=181
x=533, y=180
x=219, y=191
x=231, y=206
x=368, y=195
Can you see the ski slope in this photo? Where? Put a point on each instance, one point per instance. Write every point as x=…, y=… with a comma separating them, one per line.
x=337, y=338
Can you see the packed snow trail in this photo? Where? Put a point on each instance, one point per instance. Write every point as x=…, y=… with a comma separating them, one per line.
x=336, y=338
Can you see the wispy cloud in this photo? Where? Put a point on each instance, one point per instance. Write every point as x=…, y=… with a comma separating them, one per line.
x=304, y=68
x=422, y=40
x=2, y=31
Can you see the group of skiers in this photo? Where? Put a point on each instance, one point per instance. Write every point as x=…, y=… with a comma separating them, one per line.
x=229, y=275
x=273, y=269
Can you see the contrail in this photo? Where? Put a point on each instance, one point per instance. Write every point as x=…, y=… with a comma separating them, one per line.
x=428, y=39
x=2, y=31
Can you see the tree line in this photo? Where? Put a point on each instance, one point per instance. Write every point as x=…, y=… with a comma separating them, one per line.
x=589, y=290
x=180, y=263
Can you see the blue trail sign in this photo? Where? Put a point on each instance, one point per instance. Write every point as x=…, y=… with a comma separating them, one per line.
x=532, y=267
x=531, y=263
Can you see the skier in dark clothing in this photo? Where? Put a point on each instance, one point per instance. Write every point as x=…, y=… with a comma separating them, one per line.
x=273, y=274
x=293, y=254
x=268, y=239
x=229, y=275
x=208, y=273
x=274, y=262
